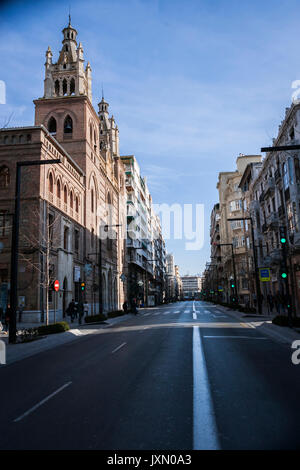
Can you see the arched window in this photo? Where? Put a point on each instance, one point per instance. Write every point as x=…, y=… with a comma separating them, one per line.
x=51, y=183
x=72, y=86
x=109, y=235
x=4, y=177
x=92, y=200
x=66, y=238
x=76, y=204
x=71, y=200
x=58, y=189
x=65, y=195
x=68, y=125
x=91, y=134
x=21, y=139
x=56, y=87
x=64, y=86
x=52, y=125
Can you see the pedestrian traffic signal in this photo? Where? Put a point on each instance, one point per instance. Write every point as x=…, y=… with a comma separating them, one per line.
x=232, y=285
x=282, y=233
x=284, y=275
x=82, y=286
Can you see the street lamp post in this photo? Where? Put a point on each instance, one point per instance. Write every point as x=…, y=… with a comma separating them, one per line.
x=258, y=291
x=15, y=246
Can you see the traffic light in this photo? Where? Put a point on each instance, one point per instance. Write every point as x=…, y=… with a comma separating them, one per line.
x=82, y=286
x=282, y=235
x=283, y=273
x=232, y=285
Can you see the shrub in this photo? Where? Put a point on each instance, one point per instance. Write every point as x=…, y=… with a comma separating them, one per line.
x=115, y=313
x=282, y=320
x=58, y=327
x=95, y=318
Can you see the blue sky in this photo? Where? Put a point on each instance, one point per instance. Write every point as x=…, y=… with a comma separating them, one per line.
x=191, y=83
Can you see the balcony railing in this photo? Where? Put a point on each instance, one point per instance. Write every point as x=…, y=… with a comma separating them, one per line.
x=270, y=186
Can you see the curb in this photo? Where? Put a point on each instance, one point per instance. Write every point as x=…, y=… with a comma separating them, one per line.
x=286, y=336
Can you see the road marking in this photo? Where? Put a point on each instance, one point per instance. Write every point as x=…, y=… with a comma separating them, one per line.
x=177, y=311
x=119, y=347
x=187, y=311
x=207, y=311
x=233, y=337
x=204, y=429
x=41, y=402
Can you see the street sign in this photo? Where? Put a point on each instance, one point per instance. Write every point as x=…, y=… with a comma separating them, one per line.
x=56, y=285
x=264, y=274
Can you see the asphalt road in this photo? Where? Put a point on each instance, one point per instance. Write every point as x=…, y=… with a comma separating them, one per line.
x=182, y=376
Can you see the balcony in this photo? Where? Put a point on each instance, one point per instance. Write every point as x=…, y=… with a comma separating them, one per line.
x=273, y=220
x=270, y=187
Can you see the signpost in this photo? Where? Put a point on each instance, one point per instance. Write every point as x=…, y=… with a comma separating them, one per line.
x=264, y=274
x=56, y=288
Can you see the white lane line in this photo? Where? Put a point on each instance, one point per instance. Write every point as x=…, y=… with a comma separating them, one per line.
x=177, y=311
x=187, y=311
x=194, y=312
x=41, y=402
x=204, y=430
x=119, y=347
x=207, y=311
x=233, y=337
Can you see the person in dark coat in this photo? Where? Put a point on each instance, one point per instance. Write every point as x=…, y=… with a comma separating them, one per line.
x=125, y=307
x=80, y=311
x=71, y=310
x=134, y=307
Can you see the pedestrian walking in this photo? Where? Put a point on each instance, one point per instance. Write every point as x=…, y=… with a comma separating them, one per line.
x=270, y=302
x=7, y=317
x=134, y=307
x=85, y=308
x=80, y=311
x=125, y=307
x=277, y=301
x=71, y=310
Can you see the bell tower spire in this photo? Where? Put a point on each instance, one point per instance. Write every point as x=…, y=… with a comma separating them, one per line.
x=68, y=76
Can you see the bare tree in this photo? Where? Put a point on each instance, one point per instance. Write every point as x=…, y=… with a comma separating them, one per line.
x=7, y=121
x=40, y=238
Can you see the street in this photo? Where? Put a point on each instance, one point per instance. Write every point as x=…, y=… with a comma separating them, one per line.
x=186, y=375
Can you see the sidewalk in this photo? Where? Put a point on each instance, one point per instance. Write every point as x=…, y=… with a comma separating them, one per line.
x=263, y=323
x=17, y=352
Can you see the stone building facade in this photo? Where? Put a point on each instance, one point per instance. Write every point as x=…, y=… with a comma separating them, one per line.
x=81, y=202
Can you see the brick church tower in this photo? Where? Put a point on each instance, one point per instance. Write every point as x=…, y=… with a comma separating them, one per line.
x=92, y=140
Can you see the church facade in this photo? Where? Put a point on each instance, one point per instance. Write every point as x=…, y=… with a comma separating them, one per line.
x=73, y=214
